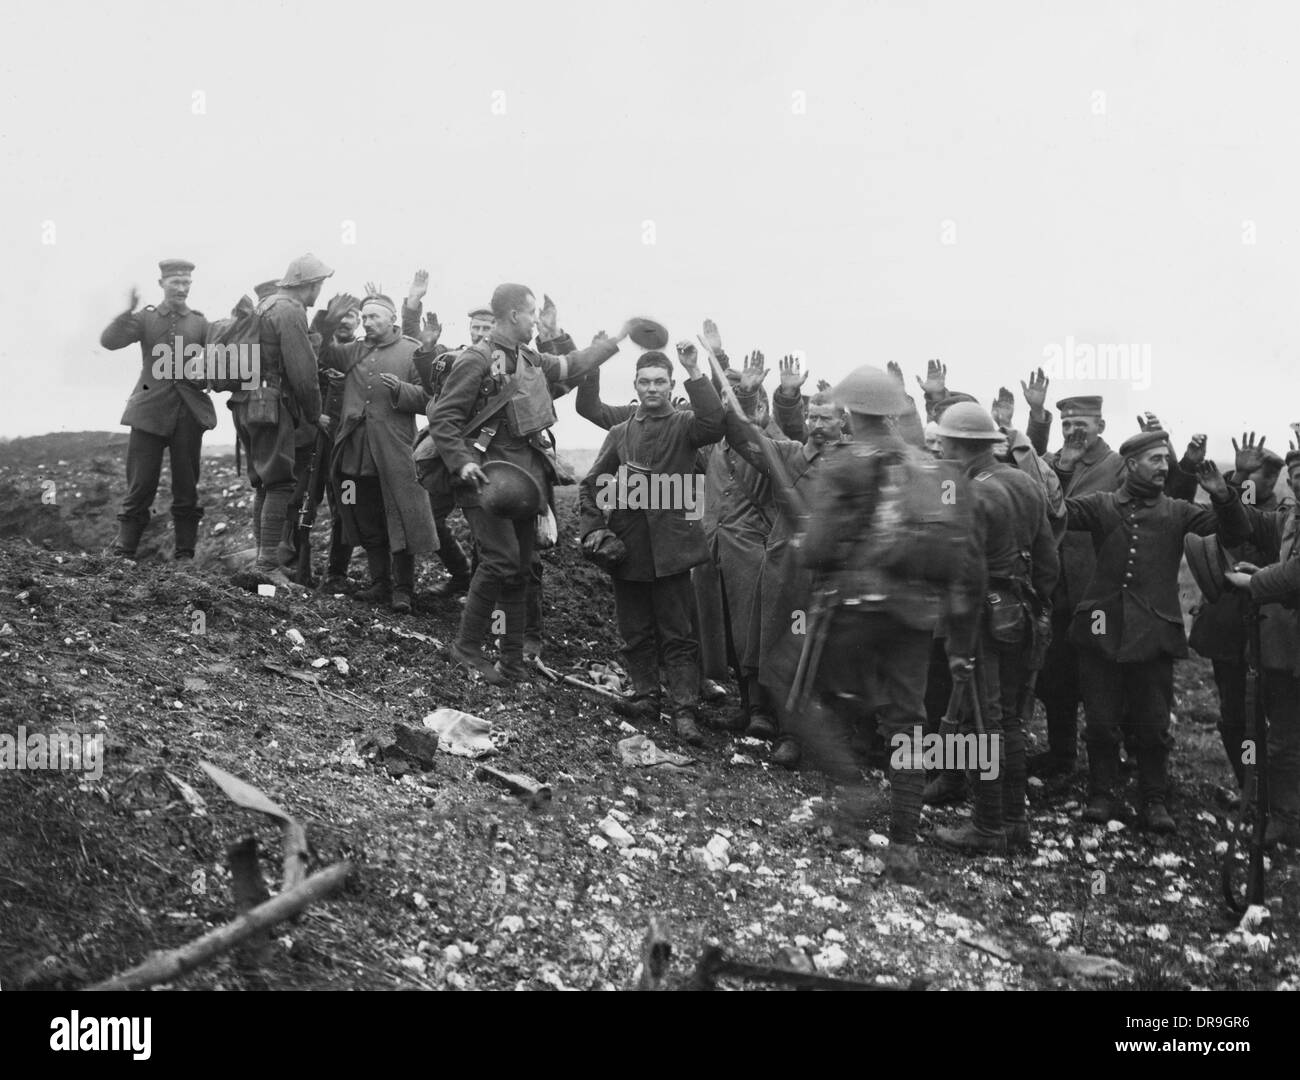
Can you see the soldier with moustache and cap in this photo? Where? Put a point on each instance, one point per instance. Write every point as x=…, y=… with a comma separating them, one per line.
x=389, y=514
x=268, y=418
x=164, y=414
x=502, y=373
x=1127, y=625
x=1084, y=464
x=1274, y=535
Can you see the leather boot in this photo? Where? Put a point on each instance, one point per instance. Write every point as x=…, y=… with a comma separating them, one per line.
x=787, y=752
x=186, y=537
x=1153, y=787
x=984, y=832
x=129, y=532
x=380, y=590
x=684, y=726
x=511, y=640
x=403, y=581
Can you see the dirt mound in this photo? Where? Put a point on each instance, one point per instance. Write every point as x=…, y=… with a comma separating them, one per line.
x=460, y=883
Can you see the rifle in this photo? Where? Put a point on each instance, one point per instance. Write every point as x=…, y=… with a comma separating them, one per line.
x=313, y=490
x=1256, y=786
x=788, y=501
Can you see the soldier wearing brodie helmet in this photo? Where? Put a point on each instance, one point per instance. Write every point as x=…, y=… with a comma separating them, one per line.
x=895, y=556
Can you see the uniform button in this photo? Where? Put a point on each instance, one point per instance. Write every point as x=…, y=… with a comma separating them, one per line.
x=1132, y=551
x=1129, y=574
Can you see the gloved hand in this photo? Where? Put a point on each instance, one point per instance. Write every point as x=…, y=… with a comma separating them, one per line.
x=604, y=548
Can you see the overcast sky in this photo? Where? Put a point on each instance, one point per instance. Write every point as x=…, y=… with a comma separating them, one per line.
x=862, y=182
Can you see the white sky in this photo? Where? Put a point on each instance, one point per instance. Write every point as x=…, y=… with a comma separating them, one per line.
x=1109, y=220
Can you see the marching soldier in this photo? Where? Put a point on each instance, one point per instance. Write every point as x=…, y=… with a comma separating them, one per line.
x=168, y=413
x=502, y=374
x=1128, y=625
x=877, y=642
x=1021, y=564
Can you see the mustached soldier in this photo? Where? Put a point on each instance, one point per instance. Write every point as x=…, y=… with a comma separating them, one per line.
x=164, y=414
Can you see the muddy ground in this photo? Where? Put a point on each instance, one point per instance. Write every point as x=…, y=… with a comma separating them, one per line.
x=460, y=883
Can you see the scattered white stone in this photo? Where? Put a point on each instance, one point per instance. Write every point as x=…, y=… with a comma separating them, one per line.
x=294, y=637
x=765, y=871
x=1255, y=917
x=1035, y=782
x=737, y=868
x=1061, y=922
x=510, y=924
x=1221, y=848
x=1115, y=826
x=340, y=665
x=413, y=963
x=615, y=832
x=742, y=759
x=1207, y=817
x=804, y=811
x=1158, y=932
x=452, y=954
x=1167, y=860
x=266, y=590
x=219, y=528
x=420, y=901
x=831, y=958
x=832, y=934
x=619, y=815
x=877, y=840
x=598, y=842
x=1089, y=843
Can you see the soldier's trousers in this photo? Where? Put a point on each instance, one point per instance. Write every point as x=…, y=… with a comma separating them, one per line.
x=874, y=657
x=1282, y=702
x=272, y=459
x=144, y=458
x=505, y=552
x=1059, y=690
x=709, y=622
x=365, y=520
x=1127, y=702
x=449, y=549
x=654, y=618
x=1230, y=680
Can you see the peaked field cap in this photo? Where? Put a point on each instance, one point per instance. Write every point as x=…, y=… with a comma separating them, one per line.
x=1143, y=441
x=304, y=270
x=1087, y=405
x=1292, y=459
x=168, y=267
x=481, y=313
x=966, y=420
x=380, y=299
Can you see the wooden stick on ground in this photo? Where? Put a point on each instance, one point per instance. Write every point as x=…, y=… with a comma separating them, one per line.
x=162, y=966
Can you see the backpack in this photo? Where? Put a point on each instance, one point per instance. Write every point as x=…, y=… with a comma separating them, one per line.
x=921, y=522
x=245, y=334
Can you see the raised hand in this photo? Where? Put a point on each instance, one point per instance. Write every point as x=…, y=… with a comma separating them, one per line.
x=432, y=328
x=1250, y=454
x=339, y=306
x=792, y=379
x=133, y=301
x=935, y=384
x=419, y=286
x=1004, y=407
x=823, y=385
x=688, y=358
x=1209, y=477
x=374, y=290
x=599, y=337
x=1035, y=393
x=753, y=372
x=1196, y=450
x=548, y=319
x=894, y=369
x=1149, y=421
x=711, y=336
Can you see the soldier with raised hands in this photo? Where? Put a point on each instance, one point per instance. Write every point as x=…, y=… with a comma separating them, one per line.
x=169, y=414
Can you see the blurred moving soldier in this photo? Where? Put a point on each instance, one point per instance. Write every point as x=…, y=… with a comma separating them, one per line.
x=1020, y=561
x=881, y=608
x=168, y=413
